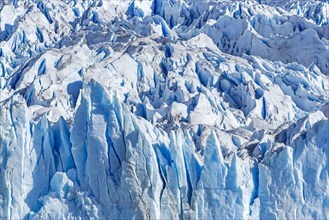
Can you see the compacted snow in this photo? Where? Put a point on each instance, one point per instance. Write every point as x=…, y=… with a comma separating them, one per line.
x=164, y=109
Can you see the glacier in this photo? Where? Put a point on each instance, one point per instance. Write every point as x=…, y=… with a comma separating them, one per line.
x=164, y=109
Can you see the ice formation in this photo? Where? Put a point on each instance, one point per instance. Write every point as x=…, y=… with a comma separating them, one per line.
x=164, y=109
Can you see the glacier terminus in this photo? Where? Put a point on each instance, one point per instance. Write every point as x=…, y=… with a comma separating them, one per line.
x=164, y=109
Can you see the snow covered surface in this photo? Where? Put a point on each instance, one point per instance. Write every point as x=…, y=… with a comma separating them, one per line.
x=164, y=109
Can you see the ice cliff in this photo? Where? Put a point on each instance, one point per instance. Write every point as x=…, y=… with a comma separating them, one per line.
x=164, y=109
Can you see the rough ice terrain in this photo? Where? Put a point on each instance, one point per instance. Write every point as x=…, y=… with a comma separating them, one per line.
x=164, y=109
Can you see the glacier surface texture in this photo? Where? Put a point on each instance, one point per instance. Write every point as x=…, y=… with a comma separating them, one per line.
x=164, y=109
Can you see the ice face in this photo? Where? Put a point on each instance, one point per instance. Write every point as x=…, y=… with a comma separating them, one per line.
x=164, y=110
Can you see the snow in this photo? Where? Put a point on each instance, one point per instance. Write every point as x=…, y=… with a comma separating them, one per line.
x=164, y=109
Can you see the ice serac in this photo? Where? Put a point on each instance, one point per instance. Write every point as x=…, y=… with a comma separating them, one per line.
x=123, y=153
x=287, y=167
x=27, y=154
x=171, y=109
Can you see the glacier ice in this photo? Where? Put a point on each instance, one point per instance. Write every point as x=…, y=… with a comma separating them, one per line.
x=164, y=109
